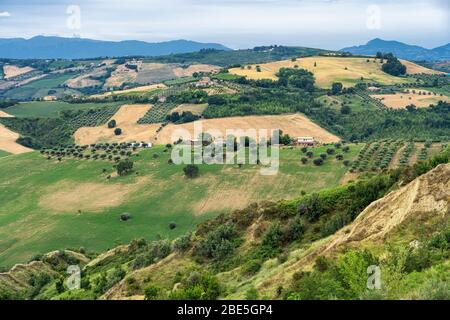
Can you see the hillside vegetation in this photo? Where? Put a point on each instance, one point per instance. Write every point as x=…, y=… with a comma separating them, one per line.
x=74, y=192
x=317, y=246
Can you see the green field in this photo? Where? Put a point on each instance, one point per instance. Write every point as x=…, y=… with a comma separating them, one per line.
x=41, y=198
x=40, y=88
x=51, y=109
x=3, y=154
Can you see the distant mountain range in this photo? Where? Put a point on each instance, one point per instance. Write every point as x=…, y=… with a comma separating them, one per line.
x=401, y=50
x=42, y=47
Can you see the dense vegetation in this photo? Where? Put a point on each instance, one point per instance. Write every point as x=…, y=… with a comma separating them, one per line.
x=238, y=57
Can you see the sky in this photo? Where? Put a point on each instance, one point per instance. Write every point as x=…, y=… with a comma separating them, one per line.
x=328, y=24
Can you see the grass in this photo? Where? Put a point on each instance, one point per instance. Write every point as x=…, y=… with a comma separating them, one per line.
x=51, y=109
x=38, y=88
x=160, y=194
x=348, y=71
x=4, y=153
x=355, y=102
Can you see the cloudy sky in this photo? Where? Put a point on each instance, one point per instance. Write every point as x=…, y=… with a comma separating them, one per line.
x=330, y=24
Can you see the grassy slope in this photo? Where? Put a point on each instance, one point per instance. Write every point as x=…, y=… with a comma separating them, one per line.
x=3, y=154
x=166, y=196
x=38, y=87
x=50, y=109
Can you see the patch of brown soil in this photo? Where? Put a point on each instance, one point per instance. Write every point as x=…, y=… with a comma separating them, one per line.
x=126, y=118
x=427, y=194
x=295, y=125
x=14, y=71
x=8, y=141
x=3, y=114
x=402, y=100
x=412, y=68
x=69, y=196
x=194, y=108
x=189, y=71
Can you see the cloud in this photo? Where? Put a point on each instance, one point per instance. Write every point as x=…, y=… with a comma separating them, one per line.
x=4, y=14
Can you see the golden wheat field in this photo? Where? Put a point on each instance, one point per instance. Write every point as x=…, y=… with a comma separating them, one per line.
x=347, y=70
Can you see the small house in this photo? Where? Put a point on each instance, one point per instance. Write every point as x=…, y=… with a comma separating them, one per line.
x=305, y=141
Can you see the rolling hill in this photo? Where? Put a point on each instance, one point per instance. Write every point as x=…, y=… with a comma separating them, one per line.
x=276, y=251
x=42, y=47
x=401, y=50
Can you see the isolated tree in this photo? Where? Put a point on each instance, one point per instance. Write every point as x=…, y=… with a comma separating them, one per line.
x=191, y=171
x=304, y=160
x=112, y=124
x=318, y=161
x=336, y=88
x=345, y=109
x=124, y=167
x=117, y=131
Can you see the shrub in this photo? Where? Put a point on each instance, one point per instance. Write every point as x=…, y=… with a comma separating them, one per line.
x=318, y=161
x=151, y=292
x=191, y=171
x=219, y=243
x=172, y=225
x=182, y=243
x=124, y=167
x=304, y=160
x=339, y=157
x=117, y=131
x=112, y=124
x=309, y=154
x=323, y=156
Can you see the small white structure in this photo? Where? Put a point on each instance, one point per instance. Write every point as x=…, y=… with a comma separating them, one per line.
x=142, y=144
x=308, y=141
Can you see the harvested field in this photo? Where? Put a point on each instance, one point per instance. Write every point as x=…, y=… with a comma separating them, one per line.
x=85, y=80
x=326, y=70
x=150, y=87
x=126, y=119
x=154, y=73
x=8, y=141
x=67, y=196
x=196, y=109
x=3, y=114
x=293, y=124
x=189, y=71
x=14, y=71
x=121, y=75
x=401, y=100
x=412, y=68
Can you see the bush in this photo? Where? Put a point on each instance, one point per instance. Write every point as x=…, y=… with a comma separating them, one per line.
x=151, y=292
x=219, y=243
x=339, y=157
x=304, y=160
x=124, y=167
x=172, y=225
x=318, y=161
x=191, y=171
x=117, y=131
x=112, y=124
x=182, y=243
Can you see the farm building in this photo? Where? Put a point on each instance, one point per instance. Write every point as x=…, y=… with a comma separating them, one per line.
x=309, y=141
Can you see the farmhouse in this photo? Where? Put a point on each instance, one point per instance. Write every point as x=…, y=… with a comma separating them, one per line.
x=308, y=141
